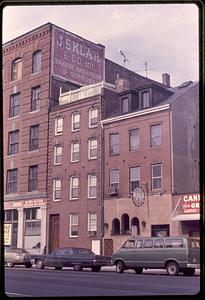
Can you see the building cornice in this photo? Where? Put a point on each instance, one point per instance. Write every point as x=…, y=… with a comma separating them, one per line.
x=136, y=114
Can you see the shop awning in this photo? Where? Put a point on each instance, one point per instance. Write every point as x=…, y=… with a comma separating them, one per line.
x=187, y=217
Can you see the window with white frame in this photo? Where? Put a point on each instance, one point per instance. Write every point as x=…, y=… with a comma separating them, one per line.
x=56, y=189
x=16, y=69
x=134, y=178
x=134, y=139
x=155, y=135
x=92, y=223
x=145, y=99
x=32, y=221
x=74, y=225
x=58, y=125
x=36, y=64
x=75, y=122
x=93, y=117
x=75, y=151
x=74, y=182
x=125, y=105
x=58, y=154
x=92, y=148
x=156, y=176
x=114, y=178
x=92, y=186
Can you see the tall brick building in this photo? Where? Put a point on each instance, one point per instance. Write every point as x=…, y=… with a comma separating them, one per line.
x=61, y=98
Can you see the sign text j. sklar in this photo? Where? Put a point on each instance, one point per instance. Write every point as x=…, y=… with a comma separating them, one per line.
x=76, y=59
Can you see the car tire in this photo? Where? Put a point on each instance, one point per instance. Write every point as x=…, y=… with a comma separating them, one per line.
x=120, y=267
x=138, y=270
x=10, y=264
x=77, y=268
x=58, y=268
x=188, y=272
x=39, y=264
x=96, y=268
x=172, y=268
x=28, y=265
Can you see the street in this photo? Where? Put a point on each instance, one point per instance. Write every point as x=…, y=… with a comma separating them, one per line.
x=22, y=282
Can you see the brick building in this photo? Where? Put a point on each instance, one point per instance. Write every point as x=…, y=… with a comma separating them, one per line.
x=55, y=193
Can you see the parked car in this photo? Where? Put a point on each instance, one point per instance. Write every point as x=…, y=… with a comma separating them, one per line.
x=175, y=254
x=17, y=256
x=78, y=258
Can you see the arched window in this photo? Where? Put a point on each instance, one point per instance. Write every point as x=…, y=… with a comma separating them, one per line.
x=36, y=64
x=125, y=224
x=135, y=225
x=115, y=227
x=16, y=69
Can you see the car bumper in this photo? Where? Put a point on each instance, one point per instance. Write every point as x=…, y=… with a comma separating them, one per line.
x=194, y=266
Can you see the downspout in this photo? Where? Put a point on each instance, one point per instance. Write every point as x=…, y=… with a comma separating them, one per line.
x=101, y=178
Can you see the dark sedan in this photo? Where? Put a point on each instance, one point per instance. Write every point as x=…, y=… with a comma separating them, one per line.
x=78, y=258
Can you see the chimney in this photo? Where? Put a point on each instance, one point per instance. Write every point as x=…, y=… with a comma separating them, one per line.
x=122, y=85
x=166, y=79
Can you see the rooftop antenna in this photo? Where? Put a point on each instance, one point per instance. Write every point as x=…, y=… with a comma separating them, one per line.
x=145, y=68
x=124, y=60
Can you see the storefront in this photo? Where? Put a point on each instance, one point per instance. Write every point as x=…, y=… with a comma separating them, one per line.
x=25, y=225
x=186, y=211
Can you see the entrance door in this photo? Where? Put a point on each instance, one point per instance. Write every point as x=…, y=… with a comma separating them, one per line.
x=108, y=247
x=54, y=232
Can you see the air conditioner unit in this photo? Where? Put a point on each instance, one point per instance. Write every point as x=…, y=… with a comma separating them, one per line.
x=113, y=190
x=92, y=233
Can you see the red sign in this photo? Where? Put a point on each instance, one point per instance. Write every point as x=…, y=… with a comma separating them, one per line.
x=76, y=59
x=191, y=203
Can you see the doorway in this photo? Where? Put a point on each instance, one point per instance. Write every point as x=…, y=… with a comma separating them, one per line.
x=54, y=232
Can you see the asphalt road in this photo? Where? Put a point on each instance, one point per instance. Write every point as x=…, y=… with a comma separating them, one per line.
x=22, y=282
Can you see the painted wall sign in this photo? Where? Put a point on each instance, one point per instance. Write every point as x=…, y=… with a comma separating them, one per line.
x=7, y=234
x=76, y=59
x=138, y=196
x=190, y=203
x=29, y=203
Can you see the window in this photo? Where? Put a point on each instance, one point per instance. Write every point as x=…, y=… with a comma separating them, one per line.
x=134, y=178
x=92, y=148
x=145, y=100
x=32, y=221
x=58, y=154
x=156, y=176
x=32, y=178
x=92, y=183
x=56, y=189
x=139, y=244
x=35, y=98
x=125, y=105
x=155, y=135
x=58, y=126
x=134, y=139
x=13, y=142
x=93, y=117
x=75, y=151
x=74, y=181
x=159, y=243
x=114, y=144
x=36, y=65
x=75, y=121
x=16, y=69
x=173, y=243
x=14, y=107
x=92, y=223
x=148, y=243
x=12, y=176
x=114, y=178
x=73, y=225
x=34, y=137
x=11, y=215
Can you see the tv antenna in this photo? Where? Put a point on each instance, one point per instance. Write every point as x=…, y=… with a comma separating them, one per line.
x=145, y=68
x=124, y=60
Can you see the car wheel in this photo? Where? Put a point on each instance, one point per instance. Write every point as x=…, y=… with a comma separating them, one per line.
x=120, y=267
x=28, y=265
x=10, y=264
x=39, y=264
x=77, y=267
x=188, y=271
x=58, y=268
x=138, y=270
x=96, y=268
x=172, y=268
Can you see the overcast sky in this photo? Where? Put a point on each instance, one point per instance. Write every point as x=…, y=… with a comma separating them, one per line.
x=163, y=35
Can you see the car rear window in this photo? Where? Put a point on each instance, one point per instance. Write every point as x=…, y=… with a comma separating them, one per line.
x=193, y=243
x=174, y=243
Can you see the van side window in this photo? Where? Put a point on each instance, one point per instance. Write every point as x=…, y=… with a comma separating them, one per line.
x=148, y=243
x=159, y=244
x=173, y=243
x=139, y=244
x=129, y=244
